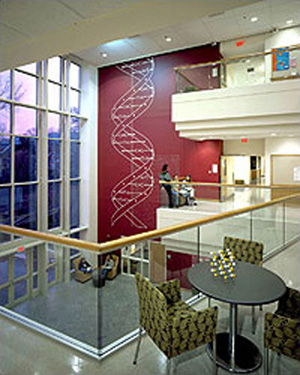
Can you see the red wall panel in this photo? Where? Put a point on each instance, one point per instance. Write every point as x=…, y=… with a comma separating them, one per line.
x=119, y=89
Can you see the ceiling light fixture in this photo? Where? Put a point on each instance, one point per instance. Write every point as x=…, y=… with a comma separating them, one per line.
x=168, y=39
x=273, y=134
x=289, y=22
x=104, y=54
x=254, y=19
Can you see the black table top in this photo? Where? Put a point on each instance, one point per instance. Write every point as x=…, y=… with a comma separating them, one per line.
x=253, y=285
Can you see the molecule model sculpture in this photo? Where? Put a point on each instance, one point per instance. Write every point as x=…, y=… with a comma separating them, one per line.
x=223, y=264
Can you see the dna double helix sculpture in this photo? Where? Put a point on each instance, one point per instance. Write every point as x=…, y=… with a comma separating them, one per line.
x=131, y=144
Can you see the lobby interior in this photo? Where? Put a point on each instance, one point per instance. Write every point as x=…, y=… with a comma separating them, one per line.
x=214, y=143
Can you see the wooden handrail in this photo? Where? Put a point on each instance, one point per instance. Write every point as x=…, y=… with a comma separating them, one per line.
x=124, y=241
x=239, y=57
x=217, y=184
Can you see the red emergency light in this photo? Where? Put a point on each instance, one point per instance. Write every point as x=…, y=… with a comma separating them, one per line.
x=244, y=140
x=240, y=43
x=21, y=248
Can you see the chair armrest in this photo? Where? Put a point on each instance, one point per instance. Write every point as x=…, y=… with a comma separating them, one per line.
x=290, y=301
x=282, y=335
x=197, y=326
x=171, y=290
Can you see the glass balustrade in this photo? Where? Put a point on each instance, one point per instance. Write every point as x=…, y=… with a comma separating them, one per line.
x=46, y=286
x=240, y=71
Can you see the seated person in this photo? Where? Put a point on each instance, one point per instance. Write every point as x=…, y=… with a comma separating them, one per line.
x=84, y=266
x=190, y=191
x=107, y=266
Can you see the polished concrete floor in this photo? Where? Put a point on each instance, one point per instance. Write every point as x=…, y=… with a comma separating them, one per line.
x=24, y=352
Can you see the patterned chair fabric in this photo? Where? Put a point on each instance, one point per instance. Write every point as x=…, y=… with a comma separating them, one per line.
x=245, y=250
x=282, y=329
x=173, y=325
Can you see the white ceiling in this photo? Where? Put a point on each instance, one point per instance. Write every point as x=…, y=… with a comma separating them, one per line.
x=32, y=30
x=216, y=27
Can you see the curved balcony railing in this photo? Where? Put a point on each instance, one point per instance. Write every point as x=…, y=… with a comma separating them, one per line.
x=42, y=287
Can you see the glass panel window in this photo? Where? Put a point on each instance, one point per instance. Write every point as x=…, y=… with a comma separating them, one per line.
x=3, y=270
x=25, y=88
x=75, y=159
x=75, y=75
x=5, y=193
x=54, y=96
x=5, y=118
x=54, y=205
x=25, y=159
x=54, y=69
x=75, y=128
x=3, y=296
x=35, y=259
x=20, y=264
x=29, y=68
x=75, y=196
x=51, y=253
x=54, y=156
x=26, y=206
x=25, y=121
x=5, y=159
x=5, y=84
x=20, y=289
x=51, y=274
x=74, y=101
x=35, y=282
x=54, y=125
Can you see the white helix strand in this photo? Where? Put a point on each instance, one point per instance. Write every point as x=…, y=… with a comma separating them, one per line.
x=132, y=144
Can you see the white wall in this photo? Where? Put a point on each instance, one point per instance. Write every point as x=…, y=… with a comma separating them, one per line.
x=280, y=146
x=89, y=165
x=236, y=147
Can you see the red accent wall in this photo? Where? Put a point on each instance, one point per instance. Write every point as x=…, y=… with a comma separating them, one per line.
x=183, y=156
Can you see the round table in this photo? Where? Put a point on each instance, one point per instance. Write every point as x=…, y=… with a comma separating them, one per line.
x=253, y=285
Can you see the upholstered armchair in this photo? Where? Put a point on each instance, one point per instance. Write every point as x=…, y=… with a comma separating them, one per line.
x=80, y=275
x=246, y=251
x=174, y=326
x=282, y=329
x=114, y=271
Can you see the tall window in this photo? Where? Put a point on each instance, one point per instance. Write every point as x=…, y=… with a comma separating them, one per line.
x=40, y=144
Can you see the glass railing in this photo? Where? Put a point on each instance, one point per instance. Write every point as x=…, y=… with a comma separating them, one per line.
x=43, y=284
x=263, y=67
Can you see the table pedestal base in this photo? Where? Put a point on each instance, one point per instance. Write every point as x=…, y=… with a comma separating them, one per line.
x=247, y=355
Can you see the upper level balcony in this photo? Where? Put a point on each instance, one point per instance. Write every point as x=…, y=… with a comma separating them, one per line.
x=252, y=96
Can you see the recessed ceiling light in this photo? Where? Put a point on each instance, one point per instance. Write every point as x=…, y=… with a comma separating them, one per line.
x=254, y=19
x=104, y=54
x=289, y=22
x=273, y=134
x=168, y=39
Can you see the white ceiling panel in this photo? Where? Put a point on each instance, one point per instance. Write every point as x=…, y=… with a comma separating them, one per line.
x=10, y=35
x=33, y=17
x=90, y=8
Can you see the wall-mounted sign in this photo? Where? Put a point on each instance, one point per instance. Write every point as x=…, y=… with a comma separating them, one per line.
x=281, y=59
x=296, y=173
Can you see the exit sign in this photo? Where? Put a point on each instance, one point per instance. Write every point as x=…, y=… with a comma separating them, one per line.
x=244, y=140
